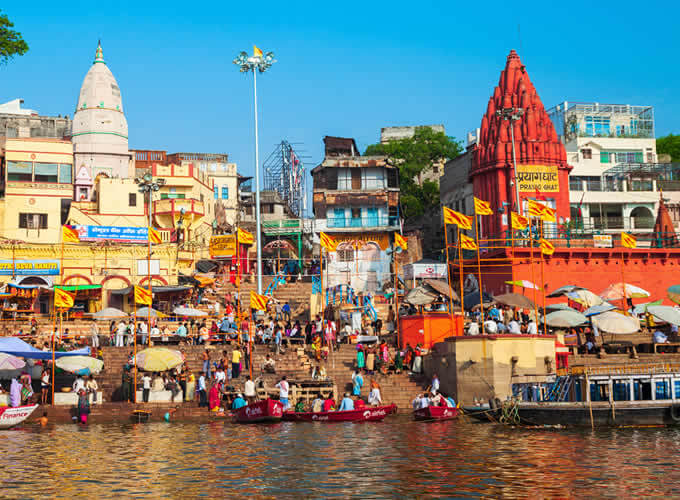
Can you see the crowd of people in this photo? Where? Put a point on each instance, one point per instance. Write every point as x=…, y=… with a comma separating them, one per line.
x=506, y=319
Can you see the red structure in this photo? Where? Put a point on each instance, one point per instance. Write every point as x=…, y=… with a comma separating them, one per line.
x=540, y=156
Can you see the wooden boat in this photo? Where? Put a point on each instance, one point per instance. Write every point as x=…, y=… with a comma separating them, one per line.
x=10, y=417
x=435, y=413
x=267, y=410
x=365, y=414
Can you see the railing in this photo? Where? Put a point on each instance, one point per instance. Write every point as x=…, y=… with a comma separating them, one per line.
x=611, y=223
x=362, y=222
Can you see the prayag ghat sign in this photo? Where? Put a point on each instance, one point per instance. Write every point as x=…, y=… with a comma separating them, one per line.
x=222, y=246
x=538, y=177
x=29, y=267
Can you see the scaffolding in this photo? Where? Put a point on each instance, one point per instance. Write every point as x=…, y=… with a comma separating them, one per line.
x=284, y=172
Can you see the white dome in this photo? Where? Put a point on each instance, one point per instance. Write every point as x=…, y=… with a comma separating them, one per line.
x=99, y=125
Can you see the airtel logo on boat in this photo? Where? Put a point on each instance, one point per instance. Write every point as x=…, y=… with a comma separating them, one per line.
x=319, y=417
x=374, y=413
x=253, y=412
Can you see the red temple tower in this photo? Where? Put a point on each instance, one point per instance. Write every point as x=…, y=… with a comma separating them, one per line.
x=542, y=170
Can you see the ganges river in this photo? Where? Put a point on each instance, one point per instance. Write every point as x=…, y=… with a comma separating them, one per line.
x=396, y=458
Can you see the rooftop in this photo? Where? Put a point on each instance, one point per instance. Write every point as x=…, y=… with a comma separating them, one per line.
x=594, y=119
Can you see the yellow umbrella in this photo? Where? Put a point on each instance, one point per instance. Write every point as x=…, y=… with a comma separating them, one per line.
x=523, y=284
x=585, y=297
x=158, y=359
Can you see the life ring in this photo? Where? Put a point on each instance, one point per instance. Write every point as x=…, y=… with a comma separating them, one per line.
x=675, y=413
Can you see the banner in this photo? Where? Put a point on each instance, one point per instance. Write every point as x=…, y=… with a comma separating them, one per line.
x=28, y=267
x=531, y=178
x=115, y=233
x=222, y=246
x=603, y=241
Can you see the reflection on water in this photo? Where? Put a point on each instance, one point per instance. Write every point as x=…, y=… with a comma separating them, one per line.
x=396, y=457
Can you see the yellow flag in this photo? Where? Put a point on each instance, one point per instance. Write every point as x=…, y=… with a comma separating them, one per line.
x=542, y=211
x=400, y=241
x=628, y=240
x=154, y=236
x=256, y=52
x=142, y=296
x=328, y=242
x=549, y=215
x=258, y=302
x=482, y=207
x=63, y=299
x=467, y=243
x=519, y=222
x=244, y=237
x=69, y=235
x=453, y=217
x=547, y=248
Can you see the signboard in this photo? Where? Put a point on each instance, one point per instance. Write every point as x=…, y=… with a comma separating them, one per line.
x=29, y=267
x=603, y=241
x=425, y=270
x=114, y=233
x=222, y=246
x=538, y=177
x=142, y=267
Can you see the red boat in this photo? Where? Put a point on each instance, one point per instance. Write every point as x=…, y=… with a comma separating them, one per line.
x=435, y=413
x=365, y=414
x=9, y=417
x=267, y=410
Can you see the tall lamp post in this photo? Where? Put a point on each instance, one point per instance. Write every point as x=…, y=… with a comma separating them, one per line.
x=256, y=62
x=513, y=114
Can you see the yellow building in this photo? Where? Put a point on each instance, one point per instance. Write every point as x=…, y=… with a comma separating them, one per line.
x=37, y=188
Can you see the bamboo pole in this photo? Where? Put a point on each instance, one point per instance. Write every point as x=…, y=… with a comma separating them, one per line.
x=460, y=263
x=479, y=271
x=623, y=285
x=238, y=289
x=545, y=326
x=590, y=402
x=134, y=337
x=396, y=292
x=450, y=278
x=148, y=269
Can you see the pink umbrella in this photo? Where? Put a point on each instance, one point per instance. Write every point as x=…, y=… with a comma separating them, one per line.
x=9, y=362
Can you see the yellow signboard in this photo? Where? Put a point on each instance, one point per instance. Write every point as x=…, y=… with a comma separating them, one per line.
x=222, y=246
x=538, y=177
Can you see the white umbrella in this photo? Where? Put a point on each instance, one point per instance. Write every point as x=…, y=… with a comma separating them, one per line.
x=144, y=312
x=565, y=319
x=9, y=362
x=615, y=322
x=188, y=311
x=665, y=313
x=615, y=291
x=110, y=313
x=80, y=364
x=585, y=298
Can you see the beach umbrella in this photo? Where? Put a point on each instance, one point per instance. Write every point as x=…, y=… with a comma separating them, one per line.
x=523, y=284
x=418, y=296
x=642, y=308
x=80, y=365
x=110, y=313
x=668, y=314
x=9, y=362
x=565, y=319
x=561, y=306
x=584, y=297
x=144, y=312
x=615, y=322
x=188, y=311
x=615, y=291
x=563, y=290
x=158, y=359
x=514, y=300
x=674, y=293
x=599, y=309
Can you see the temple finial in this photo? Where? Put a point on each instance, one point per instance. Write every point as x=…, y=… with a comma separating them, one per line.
x=99, y=54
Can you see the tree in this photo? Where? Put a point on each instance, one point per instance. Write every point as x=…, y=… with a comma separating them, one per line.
x=669, y=145
x=414, y=156
x=11, y=42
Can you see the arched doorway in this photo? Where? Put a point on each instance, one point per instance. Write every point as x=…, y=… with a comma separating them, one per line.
x=641, y=218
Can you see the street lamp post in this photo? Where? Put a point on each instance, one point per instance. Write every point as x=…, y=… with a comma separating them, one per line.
x=257, y=62
x=513, y=114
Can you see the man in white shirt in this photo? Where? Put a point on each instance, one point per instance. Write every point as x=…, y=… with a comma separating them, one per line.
x=143, y=330
x=490, y=326
x=283, y=392
x=78, y=384
x=146, y=387
x=120, y=333
x=424, y=401
x=473, y=328
x=532, y=329
x=513, y=327
x=249, y=390
x=220, y=376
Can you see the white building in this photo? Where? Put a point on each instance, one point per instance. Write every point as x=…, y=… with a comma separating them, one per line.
x=100, y=131
x=615, y=180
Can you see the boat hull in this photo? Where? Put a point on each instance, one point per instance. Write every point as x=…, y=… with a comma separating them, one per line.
x=10, y=417
x=624, y=414
x=366, y=414
x=267, y=410
x=481, y=413
x=435, y=413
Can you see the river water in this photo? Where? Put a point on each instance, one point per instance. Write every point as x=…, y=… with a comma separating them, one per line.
x=398, y=457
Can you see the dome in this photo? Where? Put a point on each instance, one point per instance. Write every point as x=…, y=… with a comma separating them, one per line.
x=100, y=129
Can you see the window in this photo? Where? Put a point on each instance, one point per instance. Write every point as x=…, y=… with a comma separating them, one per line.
x=356, y=217
x=345, y=253
x=202, y=198
x=597, y=125
x=249, y=210
x=587, y=154
x=344, y=179
x=604, y=157
x=46, y=172
x=392, y=179
x=331, y=178
x=650, y=157
x=575, y=183
x=629, y=157
x=65, y=174
x=21, y=171
x=356, y=178
x=373, y=178
x=33, y=221
x=12, y=132
x=132, y=199
x=593, y=183
x=216, y=190
x=372, y=217
x=267, y=208
x=225, y=192
x=393, y=215
x=338, y=219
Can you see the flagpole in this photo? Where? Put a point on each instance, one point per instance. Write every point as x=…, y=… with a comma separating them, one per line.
x=479, y=269
x=323, y=300
x=54, y=312
x=545, y=326
x=148, y=269
x=396, y=290
x=238, y=286
x=623, y=284
x=533, y=276
x=134, y=336
x=449, y=276
x=460, y=263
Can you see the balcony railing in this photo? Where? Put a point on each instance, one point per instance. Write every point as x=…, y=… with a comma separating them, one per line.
x=361, y=222
x=282, y=226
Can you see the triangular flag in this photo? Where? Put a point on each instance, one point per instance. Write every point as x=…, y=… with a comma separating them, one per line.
x=256, y=52
x=519, y=222
x=400, y=241
x=467, y=243
x=628, y=240
x=244, y=237
x=258, y=302
x=142, y=296
x=547, y=248
x=453, y=217
x=63, y=299
x=69, y=235
x=154, y=236
x=482, y=207
x=328, y=242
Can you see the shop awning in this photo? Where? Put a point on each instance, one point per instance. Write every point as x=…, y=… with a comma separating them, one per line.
x=17, y=347
x=204, y=281
x=75, y=288
x=156, y=289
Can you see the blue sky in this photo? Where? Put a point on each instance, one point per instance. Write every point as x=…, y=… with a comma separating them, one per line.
x=344, y=68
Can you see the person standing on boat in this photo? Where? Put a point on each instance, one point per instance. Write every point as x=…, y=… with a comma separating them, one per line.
x=283, y=392
x=435, y=384
x=347, y=403
x=532, y=329
x=416, y=401
x=357, y=383
x=374, y=397
x=249, y=390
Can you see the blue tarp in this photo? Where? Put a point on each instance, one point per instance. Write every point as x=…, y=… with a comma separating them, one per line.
x=17, y=347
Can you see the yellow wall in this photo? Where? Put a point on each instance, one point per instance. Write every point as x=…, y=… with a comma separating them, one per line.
x=113, y=197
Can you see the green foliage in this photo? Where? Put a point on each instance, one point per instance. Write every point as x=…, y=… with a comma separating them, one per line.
x=414, y=156
x=11, y=42
x=669, y=145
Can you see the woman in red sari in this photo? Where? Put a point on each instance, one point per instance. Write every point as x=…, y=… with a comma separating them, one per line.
x=214, y=396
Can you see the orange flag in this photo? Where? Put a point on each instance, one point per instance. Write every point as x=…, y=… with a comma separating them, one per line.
x=519, y=222
x=547, y=248
x=467, y=243
x=400, y=241
x=628, y=240
x=482, y=207
x=453, y=217
x=542, y=211
x=69, y=235
x=328, y=242
x=154, y=236
x=63, y=299
x=258, y=302
x=244, y=237
x=142, y=296
x=256, y=51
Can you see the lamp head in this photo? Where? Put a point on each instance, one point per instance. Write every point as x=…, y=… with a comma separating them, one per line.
x=147, y=177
